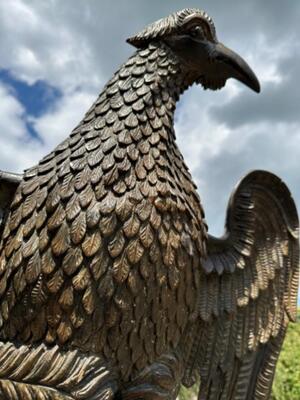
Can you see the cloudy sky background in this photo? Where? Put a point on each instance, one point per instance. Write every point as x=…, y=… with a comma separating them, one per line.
x=55, y=57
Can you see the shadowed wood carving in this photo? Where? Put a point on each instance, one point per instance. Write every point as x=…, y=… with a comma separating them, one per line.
x=110, y=286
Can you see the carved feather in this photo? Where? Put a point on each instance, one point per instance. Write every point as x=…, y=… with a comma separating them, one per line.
x=103, y=250
x=251, y=290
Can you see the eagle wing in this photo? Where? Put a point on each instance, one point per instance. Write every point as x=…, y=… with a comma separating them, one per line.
x=248, y=293
x=8, y=186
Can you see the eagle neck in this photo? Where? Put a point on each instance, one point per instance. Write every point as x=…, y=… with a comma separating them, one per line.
x=143, y=93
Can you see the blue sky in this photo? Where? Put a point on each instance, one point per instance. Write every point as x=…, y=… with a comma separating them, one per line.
x=36, y=98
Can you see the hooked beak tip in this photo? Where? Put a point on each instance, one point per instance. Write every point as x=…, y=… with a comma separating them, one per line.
x=237, y=67
x=256, y=86
x=252, y=82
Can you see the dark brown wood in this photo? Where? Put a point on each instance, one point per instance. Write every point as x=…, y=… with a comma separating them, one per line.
x=8, y=186
x=107, y=288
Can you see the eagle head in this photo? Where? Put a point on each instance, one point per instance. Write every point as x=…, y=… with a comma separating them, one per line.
x=191, y=35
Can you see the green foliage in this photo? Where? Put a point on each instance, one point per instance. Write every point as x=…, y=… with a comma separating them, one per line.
x=287, y=379
x=188, y=394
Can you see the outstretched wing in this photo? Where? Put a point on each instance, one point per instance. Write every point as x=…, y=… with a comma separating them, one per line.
x=8, y=186
x=248, y=292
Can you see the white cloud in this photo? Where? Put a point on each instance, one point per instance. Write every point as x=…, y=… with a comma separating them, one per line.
x=16, y=146
x=43, y=43
x=57, y=124
x=11, y=111
x=18, y=149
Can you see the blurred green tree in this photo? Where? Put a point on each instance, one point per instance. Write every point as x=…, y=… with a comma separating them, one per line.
x=287, y=379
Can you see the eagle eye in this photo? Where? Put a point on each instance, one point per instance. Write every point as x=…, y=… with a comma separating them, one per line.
x=196, y=32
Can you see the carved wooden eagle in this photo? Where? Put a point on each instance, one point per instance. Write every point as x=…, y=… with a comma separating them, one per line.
x=110, y=286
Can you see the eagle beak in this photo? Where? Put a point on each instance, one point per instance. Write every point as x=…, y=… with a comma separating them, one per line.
x=236, y=67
